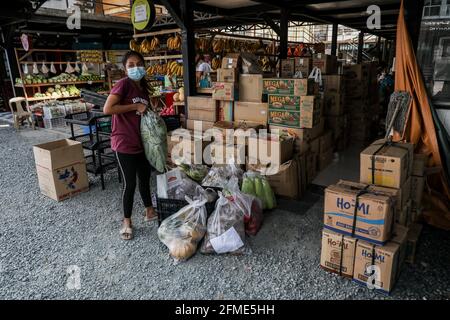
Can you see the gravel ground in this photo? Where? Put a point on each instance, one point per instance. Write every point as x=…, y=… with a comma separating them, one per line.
x=41, y=240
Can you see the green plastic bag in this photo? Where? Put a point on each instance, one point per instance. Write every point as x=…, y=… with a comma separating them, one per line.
x=154, y=139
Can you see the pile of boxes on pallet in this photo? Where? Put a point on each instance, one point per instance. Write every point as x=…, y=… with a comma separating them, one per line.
x=369, y=223
x=361, y=101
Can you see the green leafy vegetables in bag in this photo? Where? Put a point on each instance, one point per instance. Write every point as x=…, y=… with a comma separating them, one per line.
x=154, y=139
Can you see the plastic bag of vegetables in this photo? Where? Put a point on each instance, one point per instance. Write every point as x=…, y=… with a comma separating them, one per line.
x=225, y=231
x=219, y=175
x=195, y=171
x=257, y=185
x=154, y=139
x=182, y=231
x=250, y=205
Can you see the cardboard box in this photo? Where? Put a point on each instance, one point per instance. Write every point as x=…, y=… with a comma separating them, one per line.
x=203, y=125
x=417, y=187
x=325, y=159
x=232, y=61
x=333, y=84
x=186, y=147
x=270, y=149
x=300, y=146
x=338, y=253
x=414, y=232
x=224, y=91
x=419, y=164
x=226, y=109
x=314, y=145
x=337, y=124
x=308, y=116
x=289, y=180
x=393, y=164
x=251, y=111
x=326, y=63
x=241, y=130
x=356, y=72
x=402, y=195
x=284, y=102
x=374, y=213
x=202, y=108
x=302, y=134
x=298, y=87
x=303, y=65
x=287, y=68
x=61, y=168
x=227, y=75
x=250, y=87
x=285, y=182
x=404, y=216
x=311, y=166
x=334, y=104
x=326, y=142
x=388, y=258
x=225, y=153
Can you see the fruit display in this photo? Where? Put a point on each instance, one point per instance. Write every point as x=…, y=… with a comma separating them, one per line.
x=63, y=77
x=134, y=45
x=148, y=46
x=172, y=68
x=59, y=91
x=179, y=96
x=174, y=43
x=216, y=63
x=93, y=56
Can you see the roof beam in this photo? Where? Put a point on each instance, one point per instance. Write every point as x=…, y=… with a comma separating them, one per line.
x=174, y=11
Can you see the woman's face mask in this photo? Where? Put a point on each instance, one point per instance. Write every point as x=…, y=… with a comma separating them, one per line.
x=136, y=73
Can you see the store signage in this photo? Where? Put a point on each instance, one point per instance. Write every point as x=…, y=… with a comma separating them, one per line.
x=25, y=41
x=142, y=14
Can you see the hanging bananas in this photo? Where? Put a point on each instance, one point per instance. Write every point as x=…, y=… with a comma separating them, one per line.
x=174, y=43
x=171, y=68
x=134, y=45
x=216, y=63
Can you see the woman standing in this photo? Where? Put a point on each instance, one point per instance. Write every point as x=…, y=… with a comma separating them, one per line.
x=128, y=99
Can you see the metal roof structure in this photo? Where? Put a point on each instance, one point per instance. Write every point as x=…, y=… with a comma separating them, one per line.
x=350, y=13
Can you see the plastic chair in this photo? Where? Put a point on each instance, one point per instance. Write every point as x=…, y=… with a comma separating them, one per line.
x=19, y=113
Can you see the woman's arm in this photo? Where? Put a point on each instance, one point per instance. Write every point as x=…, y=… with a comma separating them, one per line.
x=112, y=106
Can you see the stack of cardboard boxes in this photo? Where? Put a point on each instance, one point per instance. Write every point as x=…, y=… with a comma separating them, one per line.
x=361, y=100
x=365, y=223
x=297, y=107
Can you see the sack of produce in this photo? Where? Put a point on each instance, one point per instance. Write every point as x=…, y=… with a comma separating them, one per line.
x=196, y=172
x=219, y=175
x=154, y=139
x=257, y=185
x=250, y=205
x=182, y=231
x=225, y=231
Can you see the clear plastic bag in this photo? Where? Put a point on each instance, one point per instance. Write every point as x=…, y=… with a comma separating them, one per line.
x=225, y=230
x=182, y=231
x=251, y=207
x=154, y=139
x=219, y=175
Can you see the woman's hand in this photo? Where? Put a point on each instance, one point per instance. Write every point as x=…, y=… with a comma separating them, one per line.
x=141, y=108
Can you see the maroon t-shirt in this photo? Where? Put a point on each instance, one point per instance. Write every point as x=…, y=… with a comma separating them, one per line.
x=126, y=127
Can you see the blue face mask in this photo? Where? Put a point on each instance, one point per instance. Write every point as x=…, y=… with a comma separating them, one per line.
x=136, y=73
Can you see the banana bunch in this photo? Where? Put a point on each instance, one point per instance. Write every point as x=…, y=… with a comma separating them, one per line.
x=265, y=64
x=134, y=45
x=218, y=45
x=201, y=44
x=157, y=69
x=174, y=43
x=174, y=69
x=216, y=63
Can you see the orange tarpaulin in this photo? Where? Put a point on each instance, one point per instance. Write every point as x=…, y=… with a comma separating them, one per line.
x=420, y=128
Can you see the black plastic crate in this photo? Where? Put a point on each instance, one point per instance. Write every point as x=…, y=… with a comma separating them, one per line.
x=172, y=122
x=167, y=207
